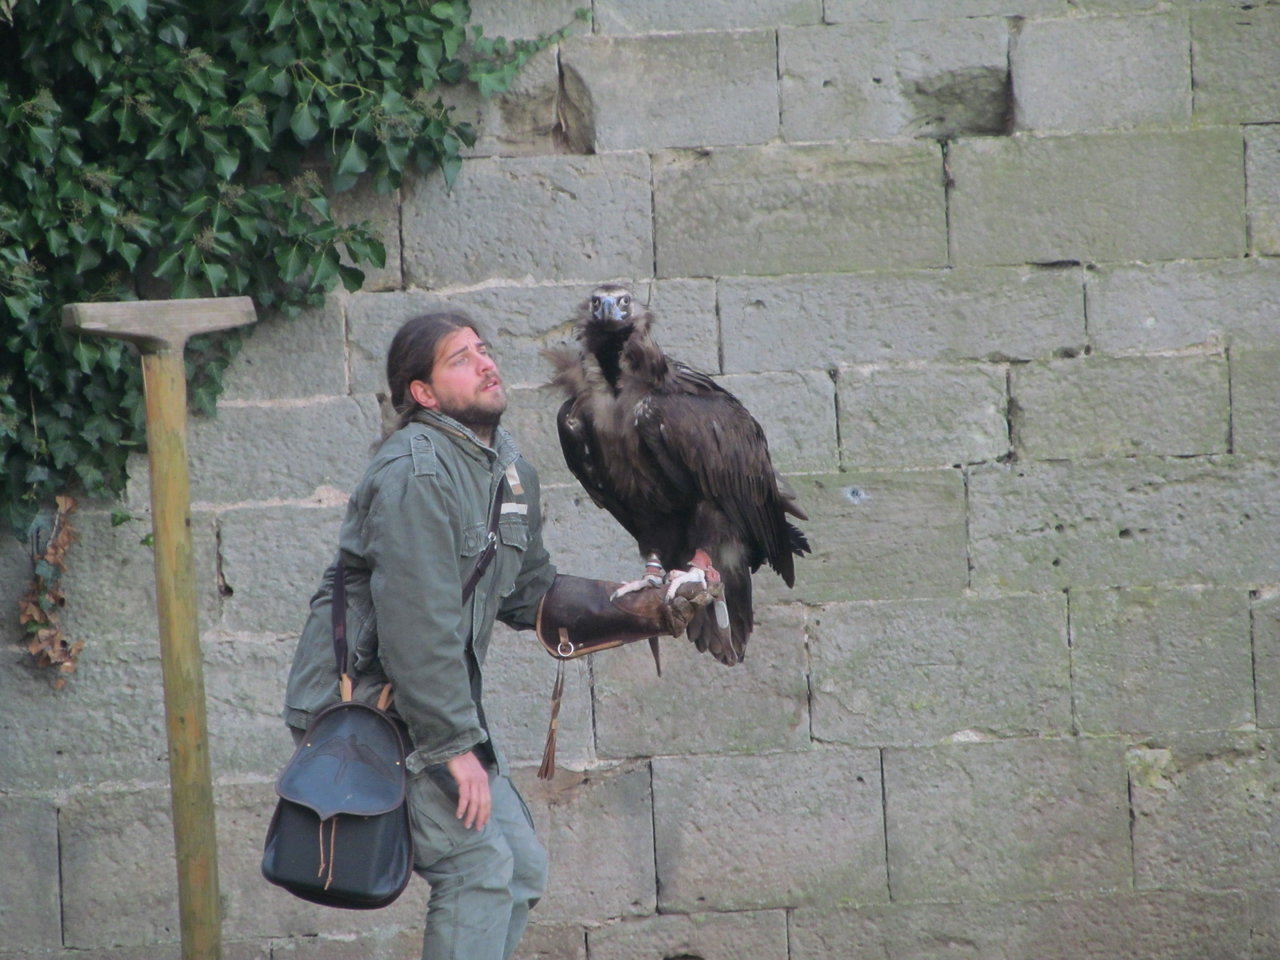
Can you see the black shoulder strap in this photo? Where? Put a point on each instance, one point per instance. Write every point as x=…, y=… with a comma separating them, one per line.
x=339, y=608
x=490, y=545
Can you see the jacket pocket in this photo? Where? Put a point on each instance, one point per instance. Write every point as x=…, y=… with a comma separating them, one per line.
x=513, y=539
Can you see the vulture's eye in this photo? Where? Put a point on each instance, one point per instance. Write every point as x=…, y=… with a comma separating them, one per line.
x=595, y=301
x=624, y=300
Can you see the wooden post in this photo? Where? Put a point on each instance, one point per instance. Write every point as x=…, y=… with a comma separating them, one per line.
x=160, y=329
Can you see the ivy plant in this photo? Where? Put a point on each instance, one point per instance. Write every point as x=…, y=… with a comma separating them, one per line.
x=177, y=148
x=180, y=148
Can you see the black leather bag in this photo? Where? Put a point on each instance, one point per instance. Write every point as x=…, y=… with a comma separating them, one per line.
x=340, y=834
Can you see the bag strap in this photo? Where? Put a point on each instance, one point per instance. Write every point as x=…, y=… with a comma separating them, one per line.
x=338, y=605
x=490, y=546
x=339, y=599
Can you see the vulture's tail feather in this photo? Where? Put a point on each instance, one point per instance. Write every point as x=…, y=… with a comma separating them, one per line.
x=799, y=542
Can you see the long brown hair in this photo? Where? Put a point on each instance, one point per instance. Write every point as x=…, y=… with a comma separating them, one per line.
x=412, y=355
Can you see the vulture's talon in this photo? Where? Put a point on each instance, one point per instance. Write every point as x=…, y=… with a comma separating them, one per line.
x=678, y=578
x=635, y=586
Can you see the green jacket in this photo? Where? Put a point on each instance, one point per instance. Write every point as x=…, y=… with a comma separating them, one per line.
x=413, y=530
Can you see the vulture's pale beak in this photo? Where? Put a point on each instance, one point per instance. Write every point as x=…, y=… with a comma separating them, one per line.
x=611, y=310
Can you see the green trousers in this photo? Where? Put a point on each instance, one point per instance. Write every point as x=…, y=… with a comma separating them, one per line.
x=483, y=882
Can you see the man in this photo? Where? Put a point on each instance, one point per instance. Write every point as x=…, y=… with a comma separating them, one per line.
x=415, y=526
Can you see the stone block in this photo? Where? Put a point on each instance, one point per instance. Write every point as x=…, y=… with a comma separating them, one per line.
x=119, y=881
x=995, y=313
x=530, y=217
x=797, y=410
x=687, y=323
x=1264, y=923
x=1132, y=522
x=841, y=11
x=615, y=17
x=751, y=833
x=699, y=89
x=519, y=675
x=380, y=214
x=780, y=209
x=758, y=935
x=1151, y=660
x=1262, y=174
x=936, y=78
x=1081, y=74
x=1133, y=406
x=1265, y=627
x=1234, y=55
x=272, y=559
x=531, y=117
x=1255, y=402
x=244, y=689
x=280, y=451
x=561, y=941
x=579, y=816
x=585, y=540
x=1153, y=307
x=1108, y=196
x=1171, y=925
x=984, y=821
x=931, y=415
x=30, y=887
x=923, y=671
x=118, y=696
x=360, y=945
x=878, y=536
x=110, y=583
x=700, y=706
x=523, y=20
x=1205, y=812
x=283, y=358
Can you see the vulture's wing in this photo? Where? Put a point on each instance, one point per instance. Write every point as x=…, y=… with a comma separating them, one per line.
x=707, y=442
x=583, y=456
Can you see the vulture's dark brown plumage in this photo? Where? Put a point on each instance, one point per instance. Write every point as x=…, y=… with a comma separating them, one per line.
x=676, y=459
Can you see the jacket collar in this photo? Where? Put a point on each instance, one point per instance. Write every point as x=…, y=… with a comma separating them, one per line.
x=504, y=451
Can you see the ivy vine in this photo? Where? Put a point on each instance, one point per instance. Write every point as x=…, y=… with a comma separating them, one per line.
x=178, y=148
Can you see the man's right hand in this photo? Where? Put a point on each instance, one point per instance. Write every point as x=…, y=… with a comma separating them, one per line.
x=475, y=804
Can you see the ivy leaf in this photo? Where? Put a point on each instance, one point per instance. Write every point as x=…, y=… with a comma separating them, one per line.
x=86, y=354
x=354, y=160
x=303, y=123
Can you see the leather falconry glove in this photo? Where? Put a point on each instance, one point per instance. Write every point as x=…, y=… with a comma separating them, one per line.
x=579, y=616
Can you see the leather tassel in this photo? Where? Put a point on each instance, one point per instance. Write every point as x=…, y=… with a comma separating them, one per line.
x=547, y=770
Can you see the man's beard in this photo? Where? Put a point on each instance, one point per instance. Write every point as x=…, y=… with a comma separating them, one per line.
x=474, y=416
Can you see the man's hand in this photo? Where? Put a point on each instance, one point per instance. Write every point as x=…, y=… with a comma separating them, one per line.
x=475, y=805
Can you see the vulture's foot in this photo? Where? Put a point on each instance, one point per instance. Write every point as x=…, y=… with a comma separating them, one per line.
x=654, y=576
x=702, y=571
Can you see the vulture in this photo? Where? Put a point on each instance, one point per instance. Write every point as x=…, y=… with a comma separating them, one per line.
x=678, y=461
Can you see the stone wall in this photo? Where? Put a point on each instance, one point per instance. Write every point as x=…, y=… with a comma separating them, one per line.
x=1001, y=279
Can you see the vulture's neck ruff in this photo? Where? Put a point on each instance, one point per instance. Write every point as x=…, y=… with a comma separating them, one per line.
x=606, y=343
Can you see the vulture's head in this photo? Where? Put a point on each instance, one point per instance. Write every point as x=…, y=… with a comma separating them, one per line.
x=612, y=309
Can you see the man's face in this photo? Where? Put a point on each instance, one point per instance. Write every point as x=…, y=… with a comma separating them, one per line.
x=464, y=383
